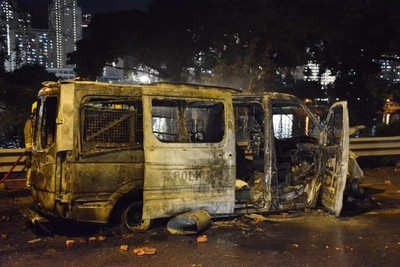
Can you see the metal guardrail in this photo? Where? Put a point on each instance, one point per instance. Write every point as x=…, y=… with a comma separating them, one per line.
x=363, y=146
x=375, y=146
x=8, y=157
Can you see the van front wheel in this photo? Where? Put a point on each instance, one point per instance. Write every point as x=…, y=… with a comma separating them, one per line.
x=131, y=217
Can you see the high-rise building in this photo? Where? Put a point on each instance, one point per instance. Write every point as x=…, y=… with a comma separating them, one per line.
x=13, y=27
x=65, y=20
x=21, y=43
x=39, y=47
x=311, y=72
x=390, y=68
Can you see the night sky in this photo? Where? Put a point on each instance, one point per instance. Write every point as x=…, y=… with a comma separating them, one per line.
x=38, y=8
x=105, y=6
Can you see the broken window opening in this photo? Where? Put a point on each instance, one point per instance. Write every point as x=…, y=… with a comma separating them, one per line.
x=297, y=153
x=250, y=138
x=47, y=124
x=250, y=148
x=335, y=127
x=182, y=121
x=293, y=120
x=35, y=124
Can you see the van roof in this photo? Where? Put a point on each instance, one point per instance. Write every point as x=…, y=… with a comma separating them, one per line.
x=158, y=84
x=262, y=95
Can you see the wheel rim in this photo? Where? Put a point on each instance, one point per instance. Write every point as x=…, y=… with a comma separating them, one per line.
x=133, y=217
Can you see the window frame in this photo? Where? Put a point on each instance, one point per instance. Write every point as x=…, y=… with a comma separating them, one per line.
x=134, y=126
x=199, y=133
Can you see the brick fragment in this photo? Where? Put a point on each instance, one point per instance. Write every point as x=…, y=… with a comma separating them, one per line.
x=137, y=250
x=202, y=239
x=141, y=252
x=70, y=243
x=150, y=251
x=144, y=251
x=124, y=247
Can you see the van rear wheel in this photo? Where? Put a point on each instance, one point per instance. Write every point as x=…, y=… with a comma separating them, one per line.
x=131, y=217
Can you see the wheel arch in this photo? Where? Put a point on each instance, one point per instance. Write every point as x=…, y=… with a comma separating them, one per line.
x=122, y=198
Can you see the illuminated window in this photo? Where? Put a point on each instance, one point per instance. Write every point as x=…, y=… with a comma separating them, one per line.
x=182, y=121
x=292, y=120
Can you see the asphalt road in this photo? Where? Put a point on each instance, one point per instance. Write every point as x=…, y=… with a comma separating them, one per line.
x=367, y=234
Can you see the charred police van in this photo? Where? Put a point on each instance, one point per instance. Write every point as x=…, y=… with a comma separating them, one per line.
x=128, y=154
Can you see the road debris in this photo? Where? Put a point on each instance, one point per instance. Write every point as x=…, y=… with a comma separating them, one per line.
x=202, y=239
x=124, y=247
x=82, y=241
x=277, y=218
x=144, y=251
x=34, y=240
x=70, y=243
x=232, y=223
x=127, y=236
x=257, y=218
x=189, y=223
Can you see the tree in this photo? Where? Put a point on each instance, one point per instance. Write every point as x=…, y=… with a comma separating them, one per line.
x=19, y=91
x=173, y=36
x=251, y=44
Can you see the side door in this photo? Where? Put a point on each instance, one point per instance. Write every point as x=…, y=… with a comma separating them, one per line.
x=335, y=157
x=189, y=156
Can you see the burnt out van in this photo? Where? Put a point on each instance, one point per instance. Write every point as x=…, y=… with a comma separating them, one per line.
x=132, y=153
x=128, y=154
